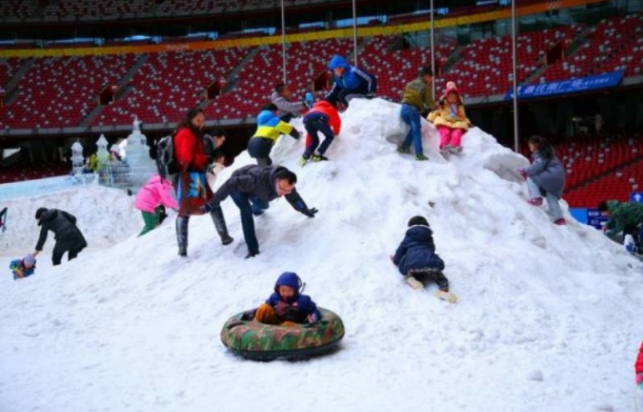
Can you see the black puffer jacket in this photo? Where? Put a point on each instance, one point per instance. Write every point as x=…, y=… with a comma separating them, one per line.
x=63, y=224
x=259, y=181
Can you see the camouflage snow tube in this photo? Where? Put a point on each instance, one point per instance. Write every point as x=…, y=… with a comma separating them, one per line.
x=254, y=340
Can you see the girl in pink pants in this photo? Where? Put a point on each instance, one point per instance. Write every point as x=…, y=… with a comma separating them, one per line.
x=450, y=119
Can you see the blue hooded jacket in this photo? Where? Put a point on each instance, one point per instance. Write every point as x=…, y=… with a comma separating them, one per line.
x=297, y=308
x=352, y=78
x=417, y=251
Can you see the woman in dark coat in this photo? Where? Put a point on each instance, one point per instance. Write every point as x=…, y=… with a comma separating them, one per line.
x=68, y=236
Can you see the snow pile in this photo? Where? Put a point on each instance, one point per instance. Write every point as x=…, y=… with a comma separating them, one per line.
x=547, y=318
x=105, y=216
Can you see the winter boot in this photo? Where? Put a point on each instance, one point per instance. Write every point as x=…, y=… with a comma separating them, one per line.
x=302, y=161
x=421, y=157
x=413, y=282
x=251, y=254
x=536, y=202
x=446, y=296
x=560, y=222
x=319, y=158
x=455, y=150
x=182, y=234
x=403, y=149
x=219, y=224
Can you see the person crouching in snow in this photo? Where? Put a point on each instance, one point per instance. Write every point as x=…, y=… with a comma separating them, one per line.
x=349, y=82
x=416, y=259
x=156, y=192
x=416, y=98
x=286, y=306
x=545, y=177
x=451, y=120
x=269, y=128
x=22, y=268
x=323, y=117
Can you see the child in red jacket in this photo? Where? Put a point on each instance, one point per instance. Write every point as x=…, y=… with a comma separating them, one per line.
x=638, y=368
x=323, y=117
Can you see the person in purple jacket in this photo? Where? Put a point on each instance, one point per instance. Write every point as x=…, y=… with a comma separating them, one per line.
x=286, y=306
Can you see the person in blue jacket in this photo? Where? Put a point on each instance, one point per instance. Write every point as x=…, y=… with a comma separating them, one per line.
x=22, y=268
x=349, y=82
x=286, y=306
x=416, y=256
x=269, y=128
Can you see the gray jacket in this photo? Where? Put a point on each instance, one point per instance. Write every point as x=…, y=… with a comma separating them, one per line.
x=549, y=175
x=259, y=181
x=285, y=106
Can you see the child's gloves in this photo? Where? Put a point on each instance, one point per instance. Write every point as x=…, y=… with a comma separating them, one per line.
x=309, y=100
x=639, y=380
x=248, y=315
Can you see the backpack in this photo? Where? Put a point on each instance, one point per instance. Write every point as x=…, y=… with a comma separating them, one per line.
x=166, y=163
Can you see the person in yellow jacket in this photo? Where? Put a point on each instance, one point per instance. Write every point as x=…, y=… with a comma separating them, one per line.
x=450, y=119
x=269, y=128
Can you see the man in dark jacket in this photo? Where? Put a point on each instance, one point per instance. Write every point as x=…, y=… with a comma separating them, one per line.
x=252, y=188
x=68, y=236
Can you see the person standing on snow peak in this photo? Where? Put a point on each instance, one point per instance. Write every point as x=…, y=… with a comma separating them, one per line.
x=416, y=99
x=68, y=237
x=192, y=189
x=252, y=188
x=269, y=128
x=287, y=109
x=349, y=82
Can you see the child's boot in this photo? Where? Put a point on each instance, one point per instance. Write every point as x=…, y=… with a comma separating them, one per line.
x=421, y=157
x=413, y=282
x=302, y=161
x=446, y=296
x=319, y=158
x=403, y=149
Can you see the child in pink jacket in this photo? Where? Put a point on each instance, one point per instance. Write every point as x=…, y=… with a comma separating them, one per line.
x=156, y=192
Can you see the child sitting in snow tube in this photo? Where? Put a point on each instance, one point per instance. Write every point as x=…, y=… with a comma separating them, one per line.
x=451, y=120
x=288, y=324
x=417, y=261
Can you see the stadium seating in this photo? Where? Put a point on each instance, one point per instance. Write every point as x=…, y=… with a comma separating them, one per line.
x=8, y=67
x=94, y=9
x=17, y=9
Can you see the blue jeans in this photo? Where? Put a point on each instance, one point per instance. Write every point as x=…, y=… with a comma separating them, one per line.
x=411, y=116
x=552, y=201
x=248, y=204
x=314, y=123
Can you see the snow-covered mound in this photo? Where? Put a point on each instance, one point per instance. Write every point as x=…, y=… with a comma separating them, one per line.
x=105, y=216
x=548, y=318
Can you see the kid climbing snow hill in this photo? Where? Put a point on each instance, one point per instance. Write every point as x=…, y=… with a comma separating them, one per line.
x=324, y=118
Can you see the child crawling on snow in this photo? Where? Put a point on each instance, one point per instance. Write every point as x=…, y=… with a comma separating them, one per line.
x=416, y=259
x=22, y=268
x=286, y=306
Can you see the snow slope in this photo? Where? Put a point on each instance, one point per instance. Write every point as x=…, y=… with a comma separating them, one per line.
x=105, y=216
x=547, y=319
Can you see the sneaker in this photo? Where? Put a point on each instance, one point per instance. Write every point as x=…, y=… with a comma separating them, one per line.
x=421, y=157
x=536, y=202
x=302, y=161
x=446, y=296
x=183, y=252
x=319, y=158
x=560, y=222
x=403, y=149
x=414, y=283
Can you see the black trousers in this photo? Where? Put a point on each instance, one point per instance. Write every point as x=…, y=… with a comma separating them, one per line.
x=57, y=256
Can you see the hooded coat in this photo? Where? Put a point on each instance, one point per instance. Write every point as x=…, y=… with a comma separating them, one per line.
x=294, y=309
x=328, y=110
x=622, y=215
x=270, y=126
x=156, y=191
x=417, y=251
x=352, y=78
x=448, y=115
x=63, y=224
x=549, y=175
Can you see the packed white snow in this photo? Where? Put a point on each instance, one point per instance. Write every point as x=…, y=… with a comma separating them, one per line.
x=548, y=317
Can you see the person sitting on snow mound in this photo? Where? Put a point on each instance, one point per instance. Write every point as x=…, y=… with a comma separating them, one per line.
x=451, y=120
x=624, y=217
x=349, y=82
x=22, y=268
x=286, y=306
x=416, y=259
x=545, y=177
x=269, y=128
x=323, y=117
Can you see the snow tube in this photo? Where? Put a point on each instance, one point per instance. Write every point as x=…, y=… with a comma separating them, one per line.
x=254, y=340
